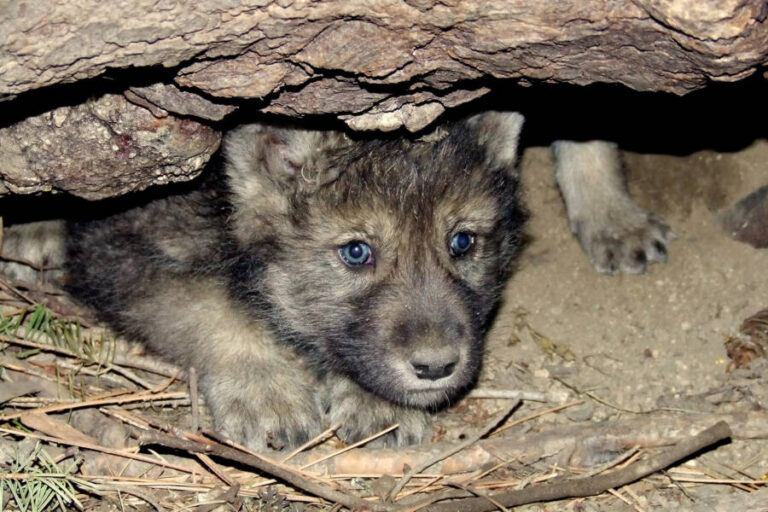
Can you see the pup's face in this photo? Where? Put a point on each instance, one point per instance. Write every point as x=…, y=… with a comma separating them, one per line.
x=387, y=258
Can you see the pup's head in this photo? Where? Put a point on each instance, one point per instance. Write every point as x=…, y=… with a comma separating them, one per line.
x=382, y=259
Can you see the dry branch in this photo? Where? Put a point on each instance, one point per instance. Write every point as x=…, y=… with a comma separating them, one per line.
x=283, y=472
x=581, y=487
x=124, y=452
x=142, y=397
x=137, y=362
x=587, y=445
x=453, y=450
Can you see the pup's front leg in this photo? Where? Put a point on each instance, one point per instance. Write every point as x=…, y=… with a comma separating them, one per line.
x=261, y=403
x=259, y=393
x=616, y=233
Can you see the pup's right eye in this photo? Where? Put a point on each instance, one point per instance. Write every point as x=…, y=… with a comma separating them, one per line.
x=356, y=254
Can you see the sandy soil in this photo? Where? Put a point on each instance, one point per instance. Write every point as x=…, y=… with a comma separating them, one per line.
x=640, y=342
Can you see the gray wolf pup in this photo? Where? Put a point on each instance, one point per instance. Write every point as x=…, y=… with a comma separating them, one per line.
x=321, y=280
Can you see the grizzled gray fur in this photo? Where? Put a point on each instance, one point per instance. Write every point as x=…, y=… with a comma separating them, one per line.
x=322, y=280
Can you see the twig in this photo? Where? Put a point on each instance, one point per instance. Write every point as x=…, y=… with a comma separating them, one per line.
x=14, y=291
x=352, y=446
x=452, y=450
x=136, y=397
x=636, y=503
x=312, y=442
x=123, y=452
x=129, y=375
x=103, y=489
x=611, y=463
x=481, y=494
x=720, y=481
x=679, y=486
x=509, y=394
x=228, y=496
x=216, y=470
x=574, y=487
x=537, y=414
x=282, y=472
x=618, y=495
x=585, y=443
x=147, y=364
x=192, y=378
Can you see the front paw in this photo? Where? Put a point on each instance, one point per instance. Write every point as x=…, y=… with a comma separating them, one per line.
x=624, y=240
x=360, y=414
x=274, y=417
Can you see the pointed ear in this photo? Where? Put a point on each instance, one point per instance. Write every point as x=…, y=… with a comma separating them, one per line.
x=283, y=156
x=499, y=134
x=267, y=165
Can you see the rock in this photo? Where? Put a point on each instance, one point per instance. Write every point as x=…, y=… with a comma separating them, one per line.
x=747, y=220
x=170, y=98
x=101, y=148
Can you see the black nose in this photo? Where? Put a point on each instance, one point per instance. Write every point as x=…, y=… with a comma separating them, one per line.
x=432, y=363
x=433, y=372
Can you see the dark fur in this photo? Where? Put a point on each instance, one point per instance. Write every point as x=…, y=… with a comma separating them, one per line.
x=241, y=277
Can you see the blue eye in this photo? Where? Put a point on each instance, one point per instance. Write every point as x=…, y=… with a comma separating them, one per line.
x=356, y=254
x=461, y=243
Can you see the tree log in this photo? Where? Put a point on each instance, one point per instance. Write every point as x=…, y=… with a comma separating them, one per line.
x=101, y=148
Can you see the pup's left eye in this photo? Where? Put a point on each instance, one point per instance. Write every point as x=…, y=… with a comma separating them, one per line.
x=356, y=254
x=461, y=243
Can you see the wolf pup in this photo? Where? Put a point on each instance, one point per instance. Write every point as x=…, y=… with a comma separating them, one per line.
x=322, y=280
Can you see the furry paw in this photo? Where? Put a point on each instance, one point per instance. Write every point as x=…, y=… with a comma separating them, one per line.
x=626, y=240
x=361, y=414
x=275, y=417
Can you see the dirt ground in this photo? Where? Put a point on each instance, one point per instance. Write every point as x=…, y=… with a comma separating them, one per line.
x=639, y=343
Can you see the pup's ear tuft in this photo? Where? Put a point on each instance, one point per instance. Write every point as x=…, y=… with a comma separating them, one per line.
x=499, y=134
x=267, y=165
x=280, y=155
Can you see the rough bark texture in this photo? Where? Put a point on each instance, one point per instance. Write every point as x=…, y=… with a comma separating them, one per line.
x=101, y=148
x=253, y=48
x=375, y=64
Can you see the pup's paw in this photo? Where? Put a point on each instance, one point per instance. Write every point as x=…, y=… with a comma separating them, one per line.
x=624, y=238
x=361, y=414
x=269, y=417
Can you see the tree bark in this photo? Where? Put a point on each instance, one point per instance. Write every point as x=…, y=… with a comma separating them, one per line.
x=101, y=148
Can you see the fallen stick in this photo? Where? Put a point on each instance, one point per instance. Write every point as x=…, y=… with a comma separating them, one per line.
x=143, y=396
x=122, y=452
x=509, y=394
x=589, y=444
x=582, y=487
x=146, y=364
x=282, y=472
